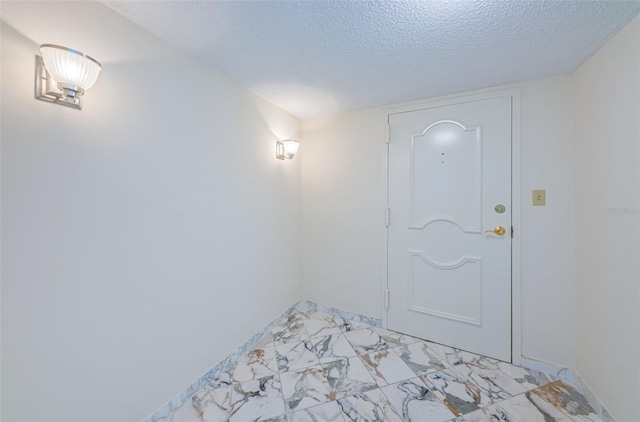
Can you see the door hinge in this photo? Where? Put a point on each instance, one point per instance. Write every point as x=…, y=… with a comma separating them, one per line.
x=388, y=134
x=512, y=232
x=386, y=298
x=387, y=217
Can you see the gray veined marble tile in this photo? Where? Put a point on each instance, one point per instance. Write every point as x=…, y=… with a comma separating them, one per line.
x=291, y=330
x=459, y=394
x=213, y=404
x=266, y=339
x=353, y=325
x=449, y=354
x=186, y=413
x=366, y=340
x=223, y=378
x=394, y=339
x=246, y=386
x=292, y=356
x=569, y=400
x=372, y=406
x=456, y=357
x=579, y=385
x=332, y=347
x=525, y=408
x=305, y=388
x=256, y=400
x=606, y=416
x=280, y=418
x=528, y=378
x=348, y=376
x=494, y=383
x=307, y=306
x=255, y=364
x=322, y=324
x=386, y=367
x=413, y=401
x=327, y=412
x=476, y=416
x=478, y=361
x=420, y=358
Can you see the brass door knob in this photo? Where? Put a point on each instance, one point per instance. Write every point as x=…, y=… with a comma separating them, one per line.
x=498, y=230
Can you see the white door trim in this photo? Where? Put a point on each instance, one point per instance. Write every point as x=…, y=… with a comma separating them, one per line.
x=516, y=256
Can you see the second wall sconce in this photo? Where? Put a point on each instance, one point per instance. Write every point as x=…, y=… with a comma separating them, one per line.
x=64, y=74
x=286, y=149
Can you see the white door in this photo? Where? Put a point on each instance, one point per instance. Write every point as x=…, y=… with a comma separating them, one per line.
x=449, y=263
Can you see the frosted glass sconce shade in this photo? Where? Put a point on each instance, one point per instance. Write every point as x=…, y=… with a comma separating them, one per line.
x=287, y=149
x=291, y=147
x=64, y=75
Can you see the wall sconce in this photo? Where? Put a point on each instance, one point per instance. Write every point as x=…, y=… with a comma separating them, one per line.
x=63, y=75
x=286, y=149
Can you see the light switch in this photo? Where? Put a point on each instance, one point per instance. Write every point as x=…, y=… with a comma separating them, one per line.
x=540, y=197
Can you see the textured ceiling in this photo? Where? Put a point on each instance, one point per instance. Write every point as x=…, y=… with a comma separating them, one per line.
x=314, y=58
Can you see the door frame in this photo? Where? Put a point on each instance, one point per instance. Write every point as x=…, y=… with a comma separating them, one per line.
x=516, y=205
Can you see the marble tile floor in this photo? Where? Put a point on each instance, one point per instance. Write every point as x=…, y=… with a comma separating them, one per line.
x=318, y=367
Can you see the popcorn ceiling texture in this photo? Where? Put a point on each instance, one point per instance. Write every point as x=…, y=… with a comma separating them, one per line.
x=315, y=58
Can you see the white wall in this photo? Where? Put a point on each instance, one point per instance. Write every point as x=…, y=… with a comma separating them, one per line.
x=342, y=197
x=606, y=96
x=143, y=238
x=548, y=276
x=341, y=217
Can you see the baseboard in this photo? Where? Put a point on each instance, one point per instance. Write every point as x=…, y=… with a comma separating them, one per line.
x=572, y=377
x=305, y=304
x=594, y=400
x=216, y=375
x=552, y=369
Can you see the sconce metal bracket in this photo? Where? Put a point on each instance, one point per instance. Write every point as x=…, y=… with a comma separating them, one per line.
x=280, y=152
x=47, y=89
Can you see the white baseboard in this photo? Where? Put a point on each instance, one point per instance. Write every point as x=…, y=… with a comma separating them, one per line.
x=594, y=400
x=553, y=369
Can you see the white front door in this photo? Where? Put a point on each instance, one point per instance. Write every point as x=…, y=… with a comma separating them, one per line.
x=449, y=262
